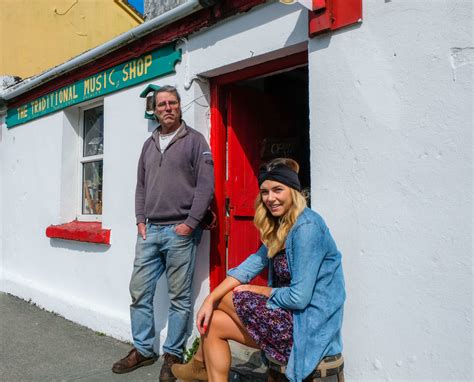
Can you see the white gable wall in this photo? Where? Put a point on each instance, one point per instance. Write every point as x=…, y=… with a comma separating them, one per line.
x=391, y=160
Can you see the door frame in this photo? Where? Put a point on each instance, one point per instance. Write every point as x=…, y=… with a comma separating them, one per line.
x=217, y=262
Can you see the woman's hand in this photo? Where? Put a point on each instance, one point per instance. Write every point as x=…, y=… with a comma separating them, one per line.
x=205, y=311
x=204, y=315
x=258, y=289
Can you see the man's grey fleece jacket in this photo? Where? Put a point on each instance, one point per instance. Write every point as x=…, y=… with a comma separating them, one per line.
x=177, y=185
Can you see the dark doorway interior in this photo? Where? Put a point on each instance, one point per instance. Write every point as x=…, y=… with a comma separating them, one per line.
x=288, y=133
x=266, y=118
x=258, y=113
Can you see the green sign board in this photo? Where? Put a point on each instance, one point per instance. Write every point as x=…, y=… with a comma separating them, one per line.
x=151, y=65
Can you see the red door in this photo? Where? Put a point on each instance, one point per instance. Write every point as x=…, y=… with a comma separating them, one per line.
x=245, y=131
x=249, y=127
x=259, y=127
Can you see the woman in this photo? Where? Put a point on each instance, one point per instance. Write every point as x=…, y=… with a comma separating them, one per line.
x=297, y=319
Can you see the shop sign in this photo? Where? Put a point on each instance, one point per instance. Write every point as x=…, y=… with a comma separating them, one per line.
x=151, y=65
x=278, y=147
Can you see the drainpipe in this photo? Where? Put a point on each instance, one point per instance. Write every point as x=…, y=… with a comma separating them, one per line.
x=166, y=18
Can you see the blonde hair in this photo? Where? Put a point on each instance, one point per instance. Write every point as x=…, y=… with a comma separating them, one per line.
x=273, y=231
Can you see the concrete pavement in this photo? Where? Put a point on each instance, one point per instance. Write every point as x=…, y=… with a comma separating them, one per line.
x=36, y=345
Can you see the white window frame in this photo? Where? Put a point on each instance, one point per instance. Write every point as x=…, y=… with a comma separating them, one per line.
x=82, y=159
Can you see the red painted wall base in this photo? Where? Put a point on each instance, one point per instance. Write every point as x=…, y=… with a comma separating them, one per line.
x=90, y=232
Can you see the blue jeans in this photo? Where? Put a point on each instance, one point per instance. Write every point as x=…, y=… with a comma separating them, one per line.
x=162, y=251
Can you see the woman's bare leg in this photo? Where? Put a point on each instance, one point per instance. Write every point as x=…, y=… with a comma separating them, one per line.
x=216, y=347
x=227, y=306
x=225, y=324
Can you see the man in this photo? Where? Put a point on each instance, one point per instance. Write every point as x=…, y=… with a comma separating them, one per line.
x=175, y=184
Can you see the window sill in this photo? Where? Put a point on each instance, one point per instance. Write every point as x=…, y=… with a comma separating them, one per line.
x=89, y=232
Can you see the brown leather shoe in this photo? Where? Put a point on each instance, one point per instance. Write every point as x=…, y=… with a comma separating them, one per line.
x=168, y=361
x=132, y=361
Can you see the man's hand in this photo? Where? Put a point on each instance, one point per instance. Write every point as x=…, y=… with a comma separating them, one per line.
x=257, y=289
x=183, y=230
x=142, y=230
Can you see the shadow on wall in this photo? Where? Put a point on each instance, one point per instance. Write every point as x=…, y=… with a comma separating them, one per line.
x=324, y=40
x=79, y=246
x=152, y=125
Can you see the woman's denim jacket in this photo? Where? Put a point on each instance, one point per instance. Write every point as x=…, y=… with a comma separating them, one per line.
x=315, y=296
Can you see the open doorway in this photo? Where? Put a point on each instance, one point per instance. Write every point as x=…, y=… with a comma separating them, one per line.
x=256, y=117
x=287, y=133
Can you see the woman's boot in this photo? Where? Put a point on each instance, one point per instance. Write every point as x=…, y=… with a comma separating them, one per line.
x=193, y=370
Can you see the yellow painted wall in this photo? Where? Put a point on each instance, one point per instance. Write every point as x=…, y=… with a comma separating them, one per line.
x=36, y=35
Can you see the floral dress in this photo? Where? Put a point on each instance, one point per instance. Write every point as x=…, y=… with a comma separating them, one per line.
x=271, y=329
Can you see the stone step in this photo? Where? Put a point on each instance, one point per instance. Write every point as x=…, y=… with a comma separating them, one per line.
x=242, y=373
x=247, y=365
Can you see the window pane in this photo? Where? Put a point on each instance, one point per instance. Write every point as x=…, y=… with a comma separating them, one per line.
x=94, y=131
x=92, y=188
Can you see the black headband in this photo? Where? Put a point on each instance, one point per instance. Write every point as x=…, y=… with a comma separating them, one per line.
x=282, y=174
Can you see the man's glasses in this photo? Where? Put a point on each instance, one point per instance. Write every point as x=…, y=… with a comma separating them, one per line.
x=165, y=104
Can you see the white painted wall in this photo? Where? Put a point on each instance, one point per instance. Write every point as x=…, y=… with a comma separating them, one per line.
x=65, y=277
x=87, y=283
x=265, y=33
x=391, y=133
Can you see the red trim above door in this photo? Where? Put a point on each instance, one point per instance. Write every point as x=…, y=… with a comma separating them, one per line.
x=292, y=61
